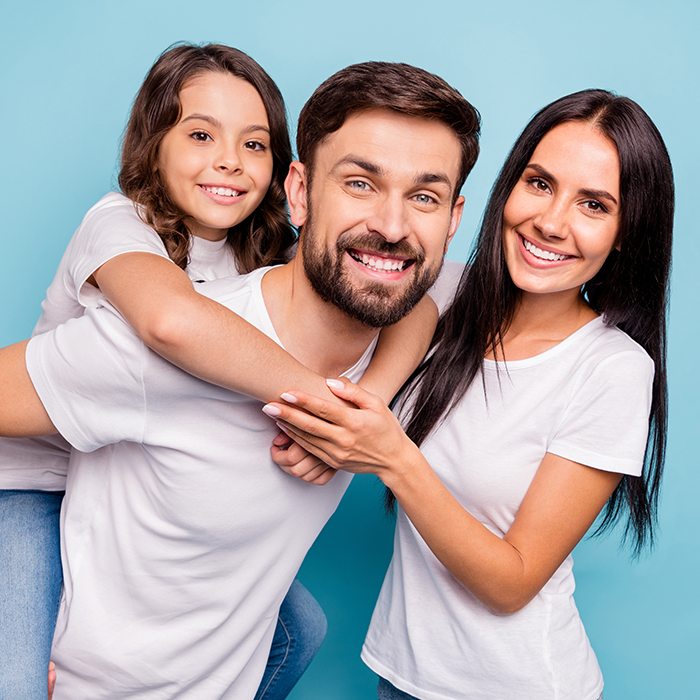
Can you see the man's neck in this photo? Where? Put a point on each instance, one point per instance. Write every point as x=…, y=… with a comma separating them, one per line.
x=315, y=332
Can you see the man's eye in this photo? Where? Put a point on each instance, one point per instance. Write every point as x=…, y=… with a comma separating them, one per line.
x=359, y=185
x=424, y=199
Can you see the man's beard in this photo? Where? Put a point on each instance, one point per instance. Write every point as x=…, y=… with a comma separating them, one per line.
x=375, y=304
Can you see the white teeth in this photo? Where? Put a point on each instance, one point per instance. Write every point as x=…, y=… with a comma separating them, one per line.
x=543, y=254
x=224, y=191
x=383, y=264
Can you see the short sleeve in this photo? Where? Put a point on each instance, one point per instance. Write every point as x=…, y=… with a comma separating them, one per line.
x=110, y=228
x=606, y=422
x=88, y=375
x=443, y=291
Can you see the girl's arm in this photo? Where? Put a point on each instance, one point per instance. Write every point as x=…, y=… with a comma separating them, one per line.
x=503, y=573
x=400, y=350
x=209, y=341
x=21, y=412
x=158, y=300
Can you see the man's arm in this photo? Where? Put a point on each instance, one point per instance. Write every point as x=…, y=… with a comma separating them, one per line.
x=21, y=412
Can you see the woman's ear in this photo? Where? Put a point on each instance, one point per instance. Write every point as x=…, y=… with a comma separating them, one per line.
x=295, y=187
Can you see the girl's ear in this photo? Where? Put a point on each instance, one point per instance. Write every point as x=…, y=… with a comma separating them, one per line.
x=295, y=187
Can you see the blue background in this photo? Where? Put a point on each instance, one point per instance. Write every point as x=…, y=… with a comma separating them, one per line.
x=69, y=72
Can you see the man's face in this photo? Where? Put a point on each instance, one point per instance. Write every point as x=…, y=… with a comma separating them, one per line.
x=379, y=213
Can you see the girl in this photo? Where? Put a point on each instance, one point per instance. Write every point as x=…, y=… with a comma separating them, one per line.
x=205, y=154
x=543, y=402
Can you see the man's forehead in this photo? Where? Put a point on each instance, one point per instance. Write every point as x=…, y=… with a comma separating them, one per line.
x=382, y=141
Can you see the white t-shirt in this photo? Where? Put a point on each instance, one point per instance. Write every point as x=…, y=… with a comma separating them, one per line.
x=587, y=400
x=180, y=536
x=111, y=228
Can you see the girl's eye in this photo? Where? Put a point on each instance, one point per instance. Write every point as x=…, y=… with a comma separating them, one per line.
x=200, y=136
x=256, y=146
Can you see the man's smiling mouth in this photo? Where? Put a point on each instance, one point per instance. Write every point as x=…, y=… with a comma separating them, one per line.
x=378, y=263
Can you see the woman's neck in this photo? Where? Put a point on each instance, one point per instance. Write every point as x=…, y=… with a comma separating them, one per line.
x=542, y=321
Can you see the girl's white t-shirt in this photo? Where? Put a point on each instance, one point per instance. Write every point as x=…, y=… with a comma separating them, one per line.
x=111, y=228
x=587, y=400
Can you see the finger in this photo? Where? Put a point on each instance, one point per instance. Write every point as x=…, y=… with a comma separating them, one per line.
x=290, y=456
x=287, y=416
x=324, y=477
x=348, y=391
x=282, y=439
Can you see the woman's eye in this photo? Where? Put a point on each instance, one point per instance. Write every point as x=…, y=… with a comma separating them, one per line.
x=200, y=136
x=595, y=205
x=539, y=184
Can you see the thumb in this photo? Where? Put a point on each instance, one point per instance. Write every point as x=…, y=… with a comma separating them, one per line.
x=355, y=394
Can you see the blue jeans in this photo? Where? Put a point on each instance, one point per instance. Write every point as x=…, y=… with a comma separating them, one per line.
x=301, y=627
x=387, y=691
x=30, y=592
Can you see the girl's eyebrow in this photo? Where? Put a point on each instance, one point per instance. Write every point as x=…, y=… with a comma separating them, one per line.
x=216, y=123
x=597, y=194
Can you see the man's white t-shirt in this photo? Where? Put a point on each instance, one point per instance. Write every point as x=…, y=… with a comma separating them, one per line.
x=587, y=400
x=180, y=536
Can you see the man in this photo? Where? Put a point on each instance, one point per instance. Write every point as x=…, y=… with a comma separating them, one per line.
x=180, y=536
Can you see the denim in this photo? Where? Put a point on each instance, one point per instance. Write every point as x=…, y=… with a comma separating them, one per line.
x=387, y=691
x=30, y=590
x=301, y=627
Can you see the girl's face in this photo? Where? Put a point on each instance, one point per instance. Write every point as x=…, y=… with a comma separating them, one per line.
x=217, y=161
x=561, y=220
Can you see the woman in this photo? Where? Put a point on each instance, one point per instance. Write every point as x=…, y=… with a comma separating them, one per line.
x=543, y=402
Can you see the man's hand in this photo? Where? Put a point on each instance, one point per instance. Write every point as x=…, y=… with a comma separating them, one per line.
x=52, y=678
x=295, y=460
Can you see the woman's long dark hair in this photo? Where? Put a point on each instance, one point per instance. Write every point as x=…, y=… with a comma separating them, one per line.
x=630, y=290
x=264, y=236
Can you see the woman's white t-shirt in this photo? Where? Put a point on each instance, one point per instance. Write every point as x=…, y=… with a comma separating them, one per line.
x=587, y=400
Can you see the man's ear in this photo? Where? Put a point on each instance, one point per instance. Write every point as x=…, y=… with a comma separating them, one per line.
x=455, y=218
x=295, y=187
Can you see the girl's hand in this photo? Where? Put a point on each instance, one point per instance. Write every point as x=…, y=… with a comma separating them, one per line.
x=365, y=438
x=296, y=461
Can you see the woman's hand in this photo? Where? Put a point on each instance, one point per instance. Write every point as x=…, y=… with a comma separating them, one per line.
x=296, y=461
x=365, y=438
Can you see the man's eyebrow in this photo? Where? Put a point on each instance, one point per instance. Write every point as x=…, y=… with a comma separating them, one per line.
x=432, y=178
x=215, y=122
x=596, y=194
x=366, y=165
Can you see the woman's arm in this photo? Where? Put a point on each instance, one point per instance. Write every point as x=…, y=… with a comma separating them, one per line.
x=503, y=573
x=21, y=412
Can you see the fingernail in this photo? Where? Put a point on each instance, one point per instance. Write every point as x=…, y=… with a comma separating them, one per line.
x=282, y=428
x=289, y=398
x=335, y=383
x=272, y=411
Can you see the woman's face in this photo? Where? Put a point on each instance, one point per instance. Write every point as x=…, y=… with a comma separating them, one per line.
x=561, y=220
x=217, y=161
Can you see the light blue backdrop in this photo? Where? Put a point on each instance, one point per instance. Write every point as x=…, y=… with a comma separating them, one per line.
x=69, y=71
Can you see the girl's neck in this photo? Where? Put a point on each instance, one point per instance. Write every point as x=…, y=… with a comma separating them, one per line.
x=542, y=321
